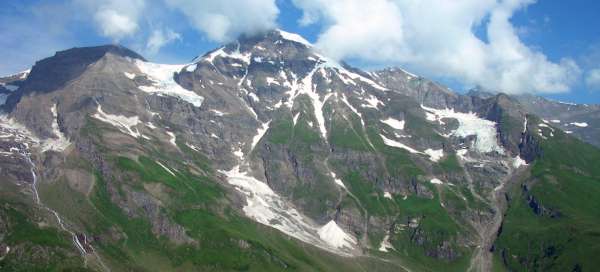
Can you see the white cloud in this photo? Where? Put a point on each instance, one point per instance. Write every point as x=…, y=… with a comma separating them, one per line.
x=437, y=37
x=223, y=20
x=160, y=38
x=115, y=19
x=592, y=79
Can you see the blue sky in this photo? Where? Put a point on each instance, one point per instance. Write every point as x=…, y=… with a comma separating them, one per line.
x=545, y=47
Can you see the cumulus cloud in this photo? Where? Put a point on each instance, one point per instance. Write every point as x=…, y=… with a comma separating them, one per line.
x=438, y=38
x=160, y=38
x=115, y=19
x=592, y=79
x=223, y=20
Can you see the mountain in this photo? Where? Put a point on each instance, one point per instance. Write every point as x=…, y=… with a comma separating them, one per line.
x=265, y=155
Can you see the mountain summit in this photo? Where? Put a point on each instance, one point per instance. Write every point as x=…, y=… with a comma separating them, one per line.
x=264, y=154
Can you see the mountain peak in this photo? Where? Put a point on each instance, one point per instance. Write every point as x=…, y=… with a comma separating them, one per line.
x=49, y=73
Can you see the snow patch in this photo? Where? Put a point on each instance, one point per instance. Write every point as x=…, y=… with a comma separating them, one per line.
x=436, y=181
x=164, y=83
x=372, y=102
x=337, y=180
x=335, y=236
x=126, y=125
x=254, y=97
x=394, y=123
x=578, y=124
x=191, y=68
x=259, y=134
x=518, y=162
x=392, y=143
x=172, y=138
x=294, y=37
x=385, y=244
x=267, y=207
x=387, y=195
x=129, y=75
x=60, y=143
x=166, y=168
x=434, y=155
x=470, y=124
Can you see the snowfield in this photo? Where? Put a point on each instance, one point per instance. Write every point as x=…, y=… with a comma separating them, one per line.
x=469, y=124
x=267, y=207
x=164, y=84
x=394, y=123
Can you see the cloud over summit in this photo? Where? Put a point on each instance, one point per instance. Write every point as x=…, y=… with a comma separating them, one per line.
x=438, y=38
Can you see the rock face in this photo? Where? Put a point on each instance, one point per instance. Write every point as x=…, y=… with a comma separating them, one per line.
x=261, y=139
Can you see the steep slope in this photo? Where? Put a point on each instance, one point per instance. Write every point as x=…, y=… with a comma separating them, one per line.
x=260, y=155
x=582, y=121
x=552, y=217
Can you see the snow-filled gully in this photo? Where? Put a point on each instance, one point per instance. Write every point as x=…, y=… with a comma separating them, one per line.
x=267, y=207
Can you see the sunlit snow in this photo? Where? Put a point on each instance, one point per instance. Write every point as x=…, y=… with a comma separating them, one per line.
x=470, y=124
x=335, y=236
x=126, y=125
x=394, y=123
x=163, y=82
x=60, y=143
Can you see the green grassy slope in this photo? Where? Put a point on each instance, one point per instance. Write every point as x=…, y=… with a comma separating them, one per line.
x=553, y=216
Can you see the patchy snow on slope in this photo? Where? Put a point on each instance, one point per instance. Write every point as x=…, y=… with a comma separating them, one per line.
x=372, y=102
x=254, y=97
x=191, y=68
x=260, y=132
x=271, y=81
x=166, y=168
x=387, y=195
x=172, y=138
x=306, y=87
x=337, y=180
x=434, y=155
x=150, y=125
x=392, y=143
x=246, y=58
x=239, y=153
x=436, y=181
x=353, y=109
x=518, y=162
x=579, y=124
x=294, y=37
x=355, y=76
x=555, y=121
x=335, y=236
x=129, y=75
x=267, y=207
x=163, y=82
x=60, y=143
x=470, y=124
x=295, y=119
x=385, y=244
x=394, y=123
x=126, y=125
